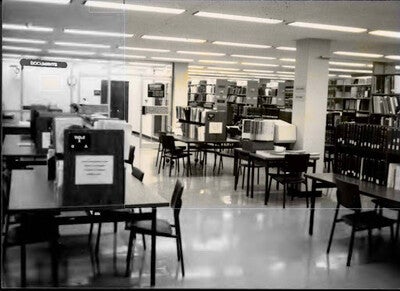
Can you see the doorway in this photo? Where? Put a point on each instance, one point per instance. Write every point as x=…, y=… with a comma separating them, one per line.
x=119, y=98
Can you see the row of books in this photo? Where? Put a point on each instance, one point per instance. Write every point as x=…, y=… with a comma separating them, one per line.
x=237, y=90
x=387, y=84
x=360, y=81
x=350, y=92
x=193, y=131
x=393, y=140
x=194, y=114
x=385, y=104
x=349, y=104
x=393, y=179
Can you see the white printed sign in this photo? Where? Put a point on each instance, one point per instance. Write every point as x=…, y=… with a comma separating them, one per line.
x=215, y=128
x=45, y=140
x=94, y=170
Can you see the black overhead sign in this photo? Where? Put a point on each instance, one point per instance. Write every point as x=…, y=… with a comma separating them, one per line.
x=42, y=63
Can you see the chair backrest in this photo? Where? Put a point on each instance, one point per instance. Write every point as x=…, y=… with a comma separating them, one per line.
x=348, y=195
x=5, y=192
x=160, y=134
x=131, y=157
x=176, y=199
x=168, y=143
x=296, y=163
x=137, y=173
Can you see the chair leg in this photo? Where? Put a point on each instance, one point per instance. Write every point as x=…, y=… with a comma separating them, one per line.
x=158, y=153
x=170, y=166
x=159, y=165
x=144, y=241
x=244, y=174
x=90, y=233
x=353, y=231
x=268, y=191
x=397, y=227
x=258, y=176
x=178, y=250
x=278, y=172
x=115, y=226
x=179, y=238
x=98, y=239
x=333, y=228
x=306, y=194
x=23, y=265
x=284, y=194
x=370, y=240
x=129, y=255
x=54, y=262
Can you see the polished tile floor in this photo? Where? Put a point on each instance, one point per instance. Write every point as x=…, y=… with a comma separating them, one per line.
x=229, y=241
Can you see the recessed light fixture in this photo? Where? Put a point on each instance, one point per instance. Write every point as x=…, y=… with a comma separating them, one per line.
x=22, y=49
x=287, y=60
x=28, y=27
x=288, y=67
x=223, y=68
x=239, y=44
x=196, y=67
x=66, y=52
x=350, y=70
x=201, y=53
x=96, y=33
x=77, y=44
x=328, y=27
x=216, y=62
x=346, y=64
x=237, y=17
x=331, y=75
x=112, y=55
x=129, y=48
x=286, y=48
x=356, y=54
x=393, y=57
x=257, y=71
x=172, y=59
x=169, y=38
x=285, y=72
x=397, y=67
x=146, y=64
x=344, y=76
x=132, y=7
x=59, y=2
x=253, y=57
x=23, y=40
x=259, y=64
x=386, y=33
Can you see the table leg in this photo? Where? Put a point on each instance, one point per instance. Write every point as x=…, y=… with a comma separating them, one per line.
x=248, y=176
x=235, y=170
x=153, y=247
x=188, y=160
x=252, y=178
x=312, y=210
x=266, y=197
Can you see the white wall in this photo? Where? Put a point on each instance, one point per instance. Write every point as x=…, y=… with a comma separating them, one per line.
x=11, y=86
x=180, y=90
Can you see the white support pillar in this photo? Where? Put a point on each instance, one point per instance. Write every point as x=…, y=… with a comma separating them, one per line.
x=310, y=95
x=179, y=89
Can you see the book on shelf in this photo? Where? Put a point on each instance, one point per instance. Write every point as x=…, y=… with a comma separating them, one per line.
x=393, y=175
x=387, y=84
x=397, y=178
x=385, y=104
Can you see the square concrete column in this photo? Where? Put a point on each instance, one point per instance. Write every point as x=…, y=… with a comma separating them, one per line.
x=310, y=94
x=179, y=89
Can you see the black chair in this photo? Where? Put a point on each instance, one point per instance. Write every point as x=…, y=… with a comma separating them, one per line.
x=163, y=227
x=293, y=169
x=392, y=205
x=131, y=156
x=171, y=152
x=28, y=229
x=118, y=215
x=348, y=196
x=160, y=149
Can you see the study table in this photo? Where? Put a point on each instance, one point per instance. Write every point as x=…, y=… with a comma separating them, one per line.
x=192, y=141
x=31, y=192
x=266, y=158
x=328, y=180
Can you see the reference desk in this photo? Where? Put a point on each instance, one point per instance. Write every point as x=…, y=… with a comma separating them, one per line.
x=31, y=192
x=325, y=180
x=192, y=141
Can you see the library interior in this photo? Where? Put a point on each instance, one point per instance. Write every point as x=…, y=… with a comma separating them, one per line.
x=200, y=144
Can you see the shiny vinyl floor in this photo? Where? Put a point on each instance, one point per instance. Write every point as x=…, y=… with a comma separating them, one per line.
x=229, y=241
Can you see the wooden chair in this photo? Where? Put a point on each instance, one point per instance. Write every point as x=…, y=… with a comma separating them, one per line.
x=392, y=205
x=163, y=227
x=348, y=196
x=171, y=152
x=293, y=169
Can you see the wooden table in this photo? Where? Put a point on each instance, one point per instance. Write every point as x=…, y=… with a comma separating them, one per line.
x=31, y=192
x=16, y=127
x=268, y=159
x=188, y=141
x=328, y=180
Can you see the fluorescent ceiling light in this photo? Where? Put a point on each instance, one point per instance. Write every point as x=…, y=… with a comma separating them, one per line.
x=349, y=70
x=146, y=64
x=28, y=27
x=287, y=60
x=328, y=27
x=331, y=75
x=201, y=53
x=237, y=17
x=344, y=76
x=112, y=55
x=223, y=68
x=172, y=59
x=59, y=2
x=12, y=55
x=286, y=48
x=387, y=33
x=23, y=49
x=96, y=33
x=77, y=44
x=196, y=67
x=393, y=57
x=397, y=67
x=259, y=64
x=285, y=72
x=257, y=71
x=288, y=67
x=261, y=46
x=349, y=64
x=253, y=57
x=23, y=40
x=64, y=52
x=169, y=38
x=356, y=54
x=129, y=48
x=216, y=62
x=132, y=7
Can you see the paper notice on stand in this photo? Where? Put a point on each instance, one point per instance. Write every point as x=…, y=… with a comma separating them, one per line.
x=45, y=140
x=215, y=128
x=94, y=170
